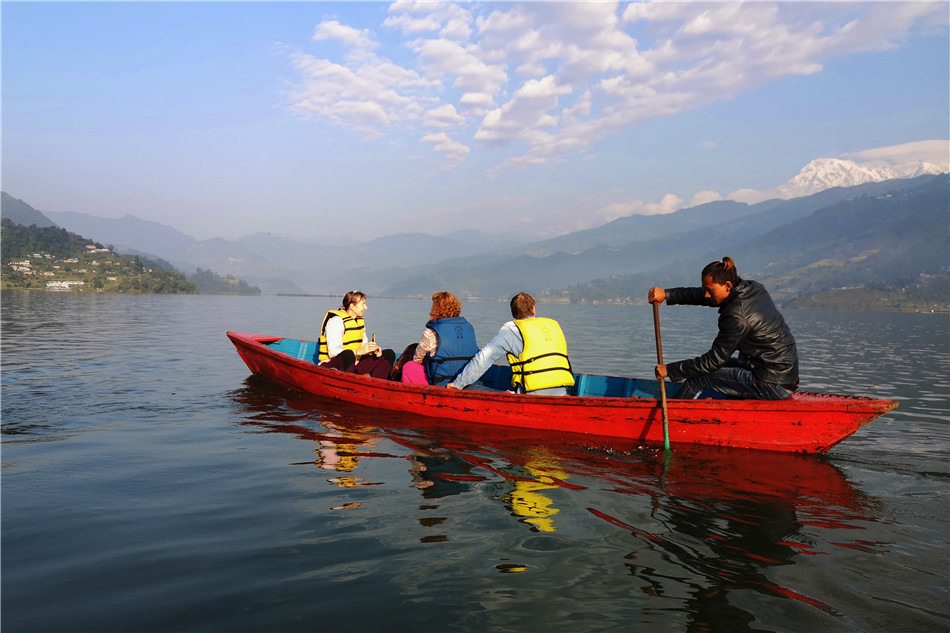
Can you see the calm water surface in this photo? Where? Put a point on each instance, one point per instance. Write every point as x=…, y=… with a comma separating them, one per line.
x=150, y=484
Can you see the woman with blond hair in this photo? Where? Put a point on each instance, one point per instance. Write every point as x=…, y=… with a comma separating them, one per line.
x=447, y=343
x=766, y=367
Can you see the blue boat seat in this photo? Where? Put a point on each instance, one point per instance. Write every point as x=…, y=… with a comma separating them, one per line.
x=593, y=386
x=301, y=350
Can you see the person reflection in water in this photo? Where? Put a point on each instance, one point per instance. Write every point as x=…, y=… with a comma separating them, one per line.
x=744, y=536
x=749, y=537
x=526, y=500
x=338, y=451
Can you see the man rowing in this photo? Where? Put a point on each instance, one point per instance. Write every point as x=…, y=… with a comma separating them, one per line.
x=766, y=366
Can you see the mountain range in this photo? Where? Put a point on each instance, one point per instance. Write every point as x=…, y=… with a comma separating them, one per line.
x=632, y=245
x=589, y=264
x=892, y=233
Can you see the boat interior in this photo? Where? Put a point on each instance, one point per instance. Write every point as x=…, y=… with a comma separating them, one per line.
x=498, y=377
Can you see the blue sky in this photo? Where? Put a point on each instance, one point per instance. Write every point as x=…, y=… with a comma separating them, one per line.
x=361, y=119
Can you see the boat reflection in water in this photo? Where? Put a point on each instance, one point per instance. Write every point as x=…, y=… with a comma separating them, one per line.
x=690, y=529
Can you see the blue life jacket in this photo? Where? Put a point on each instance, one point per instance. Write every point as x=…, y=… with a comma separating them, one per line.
x=457, y=346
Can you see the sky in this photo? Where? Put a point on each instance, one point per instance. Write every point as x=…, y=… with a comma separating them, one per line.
x=354, y=120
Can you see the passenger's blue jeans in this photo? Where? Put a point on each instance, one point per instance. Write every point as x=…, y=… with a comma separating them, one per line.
x=735, y=382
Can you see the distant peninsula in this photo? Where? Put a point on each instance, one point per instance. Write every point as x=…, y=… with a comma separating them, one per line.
x=51, y=258
x=928, y=293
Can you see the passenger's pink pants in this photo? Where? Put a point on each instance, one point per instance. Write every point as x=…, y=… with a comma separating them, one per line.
x=414, y=373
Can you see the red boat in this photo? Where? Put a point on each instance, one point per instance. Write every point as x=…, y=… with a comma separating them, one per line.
x=605, y=406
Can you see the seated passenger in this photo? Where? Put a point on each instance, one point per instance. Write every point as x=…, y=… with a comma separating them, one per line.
x=406, y=370
x=343, y=343
x=766, y=367
x=448, y=342
x=536, y=349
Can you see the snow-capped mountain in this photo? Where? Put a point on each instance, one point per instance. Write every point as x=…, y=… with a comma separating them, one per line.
x=926, y=168
x=825, y=173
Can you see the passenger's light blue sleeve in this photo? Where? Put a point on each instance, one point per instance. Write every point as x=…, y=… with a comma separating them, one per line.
x=508, y=340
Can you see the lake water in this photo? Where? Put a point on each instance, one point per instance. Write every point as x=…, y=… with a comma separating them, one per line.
x=150, y=484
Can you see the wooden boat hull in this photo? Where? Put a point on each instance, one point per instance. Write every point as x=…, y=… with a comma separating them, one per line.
x=807, y=422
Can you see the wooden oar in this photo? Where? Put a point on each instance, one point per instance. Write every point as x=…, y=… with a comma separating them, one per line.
x=659, y=360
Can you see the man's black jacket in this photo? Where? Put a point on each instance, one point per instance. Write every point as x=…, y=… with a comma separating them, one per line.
x=749, y=323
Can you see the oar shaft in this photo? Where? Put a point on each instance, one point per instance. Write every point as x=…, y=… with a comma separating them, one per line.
x=659, y=360
x=656, y=330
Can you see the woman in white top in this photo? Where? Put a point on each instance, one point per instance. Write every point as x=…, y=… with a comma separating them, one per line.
x=343, y=341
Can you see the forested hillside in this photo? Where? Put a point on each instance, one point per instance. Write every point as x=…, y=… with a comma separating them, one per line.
x=928, y=293
x=53, y=258
x=211, y=284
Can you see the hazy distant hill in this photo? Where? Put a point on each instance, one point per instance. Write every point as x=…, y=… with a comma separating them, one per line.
x=20, y=212
x=280, y=264
x=629, y=246
x=133, y=235
x=129, y=229
x=485, y=241
x=877, y=238
x=402, y=249
x=641, y=228
x=282, y=251
x=551, y=263
x=607, y=261
x=125, y=232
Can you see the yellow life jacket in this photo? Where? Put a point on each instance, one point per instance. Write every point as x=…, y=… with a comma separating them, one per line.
x=352, y=333
x=543, y=363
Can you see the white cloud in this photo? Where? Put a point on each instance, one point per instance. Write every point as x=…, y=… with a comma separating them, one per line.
x=446, y=19
x=442, y=59
x=525, y=112
x=668, y=204
x=703, y=197
x=895, y=161
x=881, y=25
x=454, y=151
x=411, y=25
x=444, y=116
x=907, y=155
x=333, y=30
x=749, y=196
x=561, y=76
x=367, y=97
